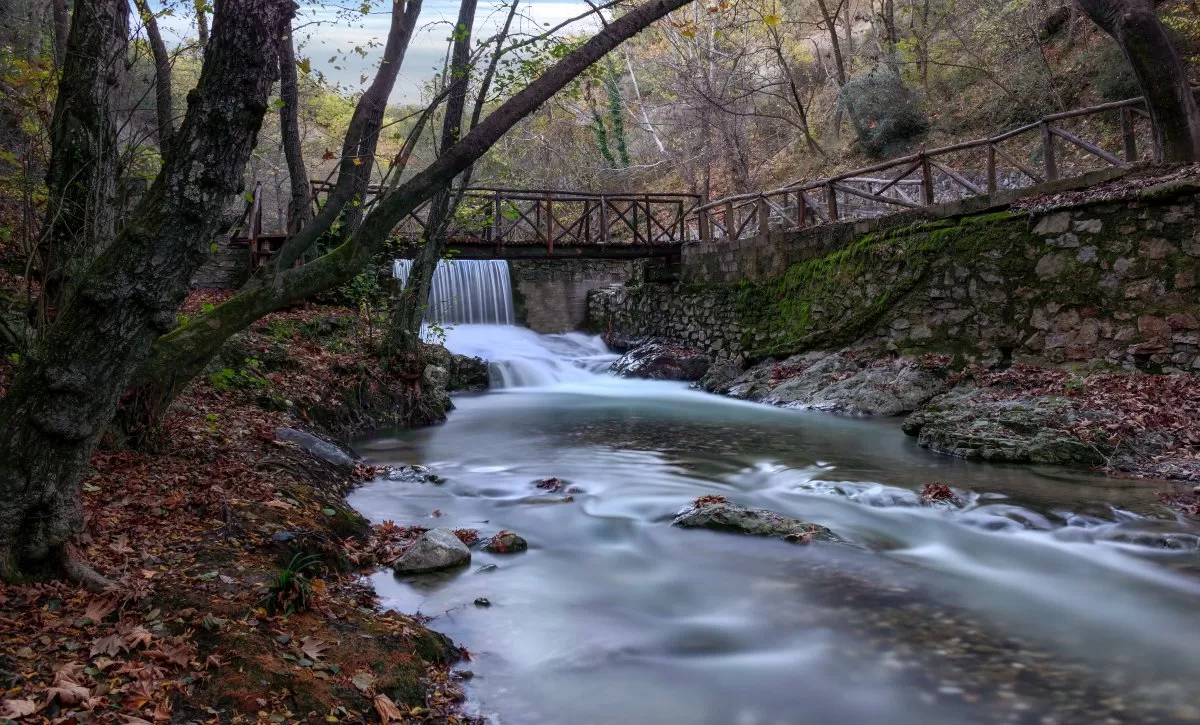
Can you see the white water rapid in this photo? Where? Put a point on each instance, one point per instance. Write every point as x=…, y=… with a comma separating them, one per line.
x=472, y=291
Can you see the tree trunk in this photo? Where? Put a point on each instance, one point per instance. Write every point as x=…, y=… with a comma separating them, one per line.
x=82, y=179
x=201, y=24
x=300, y=208
x=62, y=29
x=162, y=77
x=839, y=63
x=181, y=355
x=400, y=343
x=66, y=392
x=358, y=148
x=1160, y=73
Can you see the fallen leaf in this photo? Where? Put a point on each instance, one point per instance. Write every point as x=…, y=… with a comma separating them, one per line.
x=387, y=709
x=313, y=648
x=18, y=708
x=364, y=681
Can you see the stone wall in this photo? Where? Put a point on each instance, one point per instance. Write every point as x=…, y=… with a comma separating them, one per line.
x=1111, y=282
x=551, y=295
x=226, y=268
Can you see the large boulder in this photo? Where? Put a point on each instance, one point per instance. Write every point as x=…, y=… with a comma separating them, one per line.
x=660, y=360
x=967, y=424
x=468, y=373
x=437, y=549
x=720, y=376
x=843, y=382
x=717, y=514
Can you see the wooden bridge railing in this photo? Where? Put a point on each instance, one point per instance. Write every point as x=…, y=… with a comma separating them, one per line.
x=549, y=217
x=931, y=176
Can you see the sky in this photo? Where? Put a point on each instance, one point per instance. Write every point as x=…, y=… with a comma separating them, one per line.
x=321, y=35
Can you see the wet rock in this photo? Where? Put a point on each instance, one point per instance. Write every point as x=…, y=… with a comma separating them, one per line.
x=486, y=568
x=719, y=376
x=552, y=484
x=505, y=542
x=412, y=474
x=660, y=360
x=437, y=549
x=717, y=514
x=317, y=448
x=842, y=383
x=482, y=602
x=966, y=424
x=468, y=373
x=623, y=343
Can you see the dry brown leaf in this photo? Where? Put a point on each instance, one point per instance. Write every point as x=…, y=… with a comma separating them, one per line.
x=313, y=648
x=388, y=712
x=110, y=645
x=18, y=708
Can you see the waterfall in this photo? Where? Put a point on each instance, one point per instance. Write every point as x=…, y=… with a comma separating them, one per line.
x=467, y=291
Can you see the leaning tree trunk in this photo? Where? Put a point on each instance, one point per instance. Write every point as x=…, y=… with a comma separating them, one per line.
x=162, y=77
x=401, y=342
x=178, y=357
x=82, y=180
x=299, y=211
x=1160, y=73
x=67, y=391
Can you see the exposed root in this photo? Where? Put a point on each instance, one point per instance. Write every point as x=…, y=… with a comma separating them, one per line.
x=77, y=570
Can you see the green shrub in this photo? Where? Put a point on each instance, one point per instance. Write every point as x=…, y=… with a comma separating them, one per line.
x=886, y=114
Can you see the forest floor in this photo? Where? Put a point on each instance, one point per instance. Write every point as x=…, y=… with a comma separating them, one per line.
x=212, y=529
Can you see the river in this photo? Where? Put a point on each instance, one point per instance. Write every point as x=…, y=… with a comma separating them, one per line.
x=1051, y=597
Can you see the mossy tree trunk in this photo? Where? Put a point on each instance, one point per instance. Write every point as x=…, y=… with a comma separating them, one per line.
x=1160, y=73
x=179, y=356
x=67, y=390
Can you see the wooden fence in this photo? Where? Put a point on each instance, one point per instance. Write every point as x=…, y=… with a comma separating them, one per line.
x=934, y=176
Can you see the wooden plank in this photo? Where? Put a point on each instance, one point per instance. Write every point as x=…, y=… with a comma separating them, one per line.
x=957, y=177
x=927, y=191
x=831, y=201
x=1086, y=146
x=1020, y=166
x=875, y=197
x=991, y=168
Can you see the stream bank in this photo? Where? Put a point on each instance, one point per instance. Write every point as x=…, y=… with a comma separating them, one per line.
x=228, y=514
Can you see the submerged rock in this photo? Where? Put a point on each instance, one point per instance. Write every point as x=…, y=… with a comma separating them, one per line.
x=506, y=542
x=660, y=360
x=316, y=447
x=436, y=549
x=717, y=514
x=966, y=424
x=413, y=474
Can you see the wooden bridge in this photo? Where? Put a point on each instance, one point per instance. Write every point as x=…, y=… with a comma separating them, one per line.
x=503, y=223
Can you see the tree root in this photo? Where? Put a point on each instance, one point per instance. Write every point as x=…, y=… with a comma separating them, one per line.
x=77, y=570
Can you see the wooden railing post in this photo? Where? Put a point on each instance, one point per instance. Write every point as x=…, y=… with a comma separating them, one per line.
x=549, y=224
x=649, y=222
x=730, y=222
x=991, y=168
x=1048, y=152
x=801, y=209
x=497, y=231
x=705, y=229
x=603, y=220
x=831, y=201
x=1128, y=136
x=927, y=180
x=764, y=216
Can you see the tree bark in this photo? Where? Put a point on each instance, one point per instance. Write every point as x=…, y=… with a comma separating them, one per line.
x=66, y=392
x=62, y=29
x=81, y=181
x=202, y=23
x=162, y=77
x=1160, y=73
x=358, y=148
x=300, y=209
x=179, y=356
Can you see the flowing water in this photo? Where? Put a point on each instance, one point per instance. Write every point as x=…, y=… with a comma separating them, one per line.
x=1050, y=597
x=474, y=291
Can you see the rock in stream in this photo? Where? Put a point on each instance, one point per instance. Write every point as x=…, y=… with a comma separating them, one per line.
x=713, y=512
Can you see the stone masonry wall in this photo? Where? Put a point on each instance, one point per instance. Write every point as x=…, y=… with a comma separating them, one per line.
x=550, y=295
x=1111, y=283
x=226, y=268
